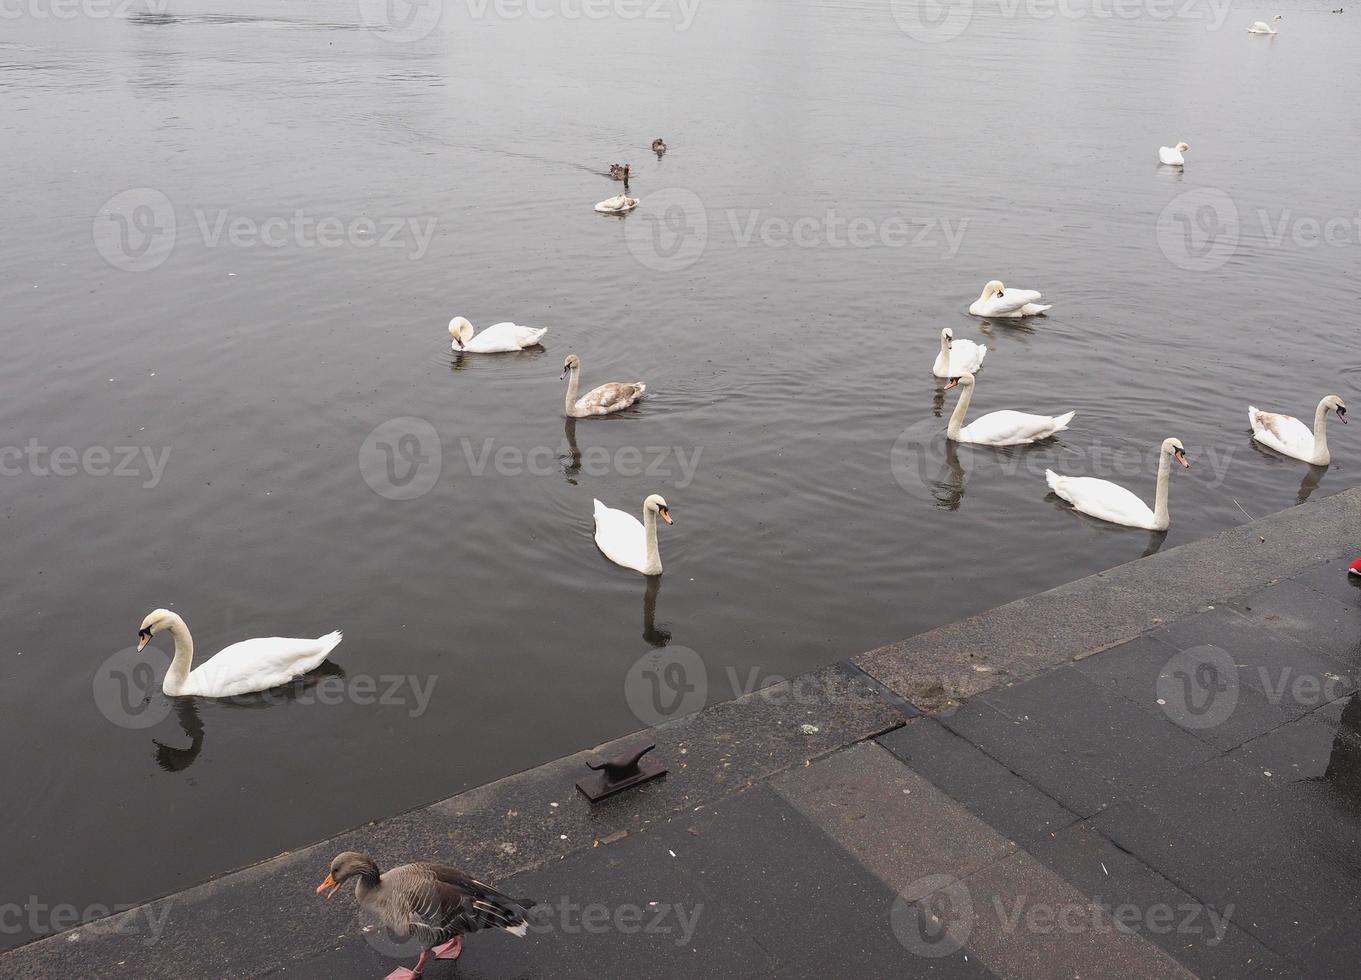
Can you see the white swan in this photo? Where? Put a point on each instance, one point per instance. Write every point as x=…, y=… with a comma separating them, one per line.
x=617, y=204
x=957, y=356
x=627, y=542
x=1287, y=434
x=1004, y=428
x=1172, y=155
x=496, y=339
x=1262, y=27
x=613, y=396
x=242, y=668
x=996, y=301
x=1112, y=502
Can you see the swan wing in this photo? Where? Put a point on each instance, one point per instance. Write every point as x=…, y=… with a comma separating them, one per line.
x=614, y=396
x=1012, y=301
x=965, y=355
x=505, y=336
x=1008, y=428
x=1101, y=498
x=1281, y=432
x=259, y=664
x=620, y=536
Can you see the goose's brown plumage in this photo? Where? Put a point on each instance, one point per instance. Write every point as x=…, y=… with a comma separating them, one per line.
x=434, y=903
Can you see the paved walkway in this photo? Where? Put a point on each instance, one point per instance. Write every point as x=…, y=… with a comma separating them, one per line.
x=1181, y=799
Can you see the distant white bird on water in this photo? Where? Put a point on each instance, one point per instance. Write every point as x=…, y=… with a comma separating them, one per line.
x=1262, y=27
x=997, y=300
x=499, y=338
x=957, y=356
x=617, y=204
x=1172, y=155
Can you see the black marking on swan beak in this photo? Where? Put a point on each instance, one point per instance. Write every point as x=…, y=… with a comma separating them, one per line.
x=1342, y=413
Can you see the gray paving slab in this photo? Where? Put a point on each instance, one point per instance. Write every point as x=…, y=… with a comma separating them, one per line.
x=1159, y=679
x=1076, y=740
x=989, y=790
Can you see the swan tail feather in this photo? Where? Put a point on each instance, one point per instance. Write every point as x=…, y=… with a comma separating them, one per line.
x=1033, y=308
x=1252, y=417
x=1052, y=478
x=328, y=643
x=1061, y=421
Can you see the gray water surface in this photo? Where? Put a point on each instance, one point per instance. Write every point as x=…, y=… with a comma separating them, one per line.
x=836, y=192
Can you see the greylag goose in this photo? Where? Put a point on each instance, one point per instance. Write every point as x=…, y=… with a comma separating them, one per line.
x=433, y=902
x=613, y=396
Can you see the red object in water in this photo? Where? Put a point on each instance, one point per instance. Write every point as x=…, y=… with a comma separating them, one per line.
x=1354, y=568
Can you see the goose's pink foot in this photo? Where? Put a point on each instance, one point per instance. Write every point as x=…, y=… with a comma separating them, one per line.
x=403, y=973
x=450, y=950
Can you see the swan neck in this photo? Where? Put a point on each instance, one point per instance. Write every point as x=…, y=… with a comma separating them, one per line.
x=961, y=409
x=654, y=557
x=1321, y=433
x=1161, y=519
x=184, y=656
x=572, y=381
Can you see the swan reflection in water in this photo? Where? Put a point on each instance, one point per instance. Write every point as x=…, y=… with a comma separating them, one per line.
x=173, y=758
x=571, y=459
x=654, y=635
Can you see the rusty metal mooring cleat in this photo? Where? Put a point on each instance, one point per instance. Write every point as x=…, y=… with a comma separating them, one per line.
x=619, y=773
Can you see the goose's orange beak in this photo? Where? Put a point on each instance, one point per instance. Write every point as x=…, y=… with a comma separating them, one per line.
x=330, y=883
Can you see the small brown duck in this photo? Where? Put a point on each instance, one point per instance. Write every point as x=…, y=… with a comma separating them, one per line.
x=433, y=902
x=659, y=146
x=619, y=171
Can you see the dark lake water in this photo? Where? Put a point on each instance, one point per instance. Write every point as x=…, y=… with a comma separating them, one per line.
x=234, y=233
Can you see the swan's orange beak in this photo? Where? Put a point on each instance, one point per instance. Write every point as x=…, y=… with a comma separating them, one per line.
x=330, y=883
x=1181, y=458
x=143, y=638
x=953, y=382
x=666, y=514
